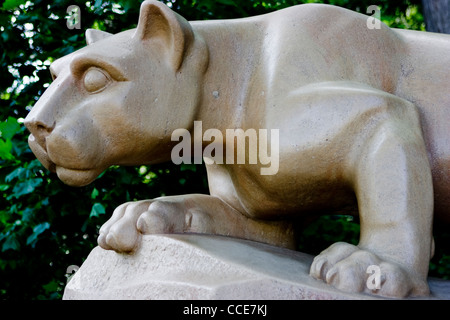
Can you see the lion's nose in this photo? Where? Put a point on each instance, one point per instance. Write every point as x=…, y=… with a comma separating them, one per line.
x=39, y=129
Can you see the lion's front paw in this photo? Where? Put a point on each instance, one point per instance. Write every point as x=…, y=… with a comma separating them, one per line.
x=351, y=269
x=120, y=233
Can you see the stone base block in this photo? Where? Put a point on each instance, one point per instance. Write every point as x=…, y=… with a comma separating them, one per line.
x=207, y=268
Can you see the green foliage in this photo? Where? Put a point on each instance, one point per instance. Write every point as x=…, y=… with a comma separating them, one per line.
x=46, y=226
x=12, y=4
x=8, y=129
x=326, y=230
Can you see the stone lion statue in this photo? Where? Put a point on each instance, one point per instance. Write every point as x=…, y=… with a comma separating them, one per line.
x=362, y=118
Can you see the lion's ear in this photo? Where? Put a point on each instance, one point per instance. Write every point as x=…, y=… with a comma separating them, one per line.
x=158, y=23
x=94, y=35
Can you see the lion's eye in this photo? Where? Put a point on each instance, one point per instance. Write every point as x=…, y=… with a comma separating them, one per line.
x=95, y=80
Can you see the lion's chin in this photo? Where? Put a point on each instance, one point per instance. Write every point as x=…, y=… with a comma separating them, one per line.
x=75, y=177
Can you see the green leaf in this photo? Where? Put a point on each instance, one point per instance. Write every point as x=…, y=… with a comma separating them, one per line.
x=12, y=4
x=51, y=286
x=98, y=4
x=5, y=149
x=4, y=218
x=97, y=209
x=26, y=187
x=94, y=193
x=11, y=243
x=27, y=214
x=9, y=128
x=17, y=173
x=73, y=38
x=40, y=228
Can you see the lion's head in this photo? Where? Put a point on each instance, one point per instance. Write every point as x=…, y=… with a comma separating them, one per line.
x=117, y=100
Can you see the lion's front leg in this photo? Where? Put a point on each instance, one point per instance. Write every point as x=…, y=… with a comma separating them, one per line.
x=393, y=185
x=195, y=213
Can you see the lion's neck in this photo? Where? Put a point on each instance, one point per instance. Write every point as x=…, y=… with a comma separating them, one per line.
x=229, y=78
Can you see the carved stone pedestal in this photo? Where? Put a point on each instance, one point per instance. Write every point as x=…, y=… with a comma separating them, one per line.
x=204, y=267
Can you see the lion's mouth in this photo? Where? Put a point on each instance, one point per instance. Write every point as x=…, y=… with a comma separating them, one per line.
x=41, y=154
x=71, y=176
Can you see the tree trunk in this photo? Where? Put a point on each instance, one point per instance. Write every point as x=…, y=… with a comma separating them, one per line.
x=437, y=15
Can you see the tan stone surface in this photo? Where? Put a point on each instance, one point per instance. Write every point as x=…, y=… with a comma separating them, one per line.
x=198, y=267
x=206, y=267
x=362, y=116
